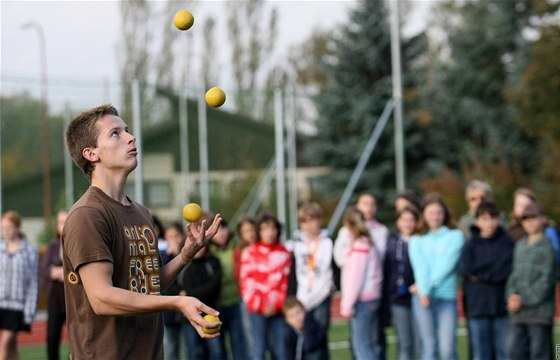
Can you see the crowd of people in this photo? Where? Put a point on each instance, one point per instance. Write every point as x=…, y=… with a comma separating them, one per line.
x=274, y=297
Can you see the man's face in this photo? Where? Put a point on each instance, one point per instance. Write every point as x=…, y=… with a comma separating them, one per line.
x=116, y=149
x=487, y=225
x=367, y=206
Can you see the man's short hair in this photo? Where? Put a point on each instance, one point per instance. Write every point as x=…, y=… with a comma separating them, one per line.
x=83, y=133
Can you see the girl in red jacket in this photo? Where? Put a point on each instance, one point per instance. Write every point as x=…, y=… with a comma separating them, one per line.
x=264, y=283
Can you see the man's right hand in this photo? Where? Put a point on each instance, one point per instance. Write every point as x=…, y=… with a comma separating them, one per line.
x=192, y=309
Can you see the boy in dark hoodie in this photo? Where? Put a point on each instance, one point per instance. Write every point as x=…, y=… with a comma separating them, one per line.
x=305, y=338
x=485, y=263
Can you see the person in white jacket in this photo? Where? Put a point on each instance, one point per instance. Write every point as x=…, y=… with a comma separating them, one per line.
x=367, y=204
x=312, y=250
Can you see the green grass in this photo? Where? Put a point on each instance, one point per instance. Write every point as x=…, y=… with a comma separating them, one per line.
x=338, y=339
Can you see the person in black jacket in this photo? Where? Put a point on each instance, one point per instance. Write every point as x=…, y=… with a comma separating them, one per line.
x=398, y=281
x=202, y=280
x=486, y=263
x=305, y=338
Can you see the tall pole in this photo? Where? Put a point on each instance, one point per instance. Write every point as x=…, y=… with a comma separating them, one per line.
x=279, y=141
x=292, y=162
x=203, y=149
x=397, y=93
x=47, y=198
x=137, y=121
x=184, y=145
x=68, y=175
x=359, y=169
x=1, y=213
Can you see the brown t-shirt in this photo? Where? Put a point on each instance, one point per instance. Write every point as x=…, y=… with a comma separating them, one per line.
x=98, y=228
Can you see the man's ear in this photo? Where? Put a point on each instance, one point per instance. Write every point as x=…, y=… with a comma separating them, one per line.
x=90, y=154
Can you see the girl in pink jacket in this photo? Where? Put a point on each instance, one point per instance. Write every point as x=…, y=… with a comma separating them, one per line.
x=361, y=286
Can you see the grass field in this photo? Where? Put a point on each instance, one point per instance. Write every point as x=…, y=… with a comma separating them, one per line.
x=338, y=343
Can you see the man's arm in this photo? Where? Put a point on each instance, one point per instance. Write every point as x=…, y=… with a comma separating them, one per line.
x=108, y=300
x=197, y=238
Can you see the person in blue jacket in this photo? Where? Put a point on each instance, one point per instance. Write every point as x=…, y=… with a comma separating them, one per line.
x=486, y=263
x=434, y=255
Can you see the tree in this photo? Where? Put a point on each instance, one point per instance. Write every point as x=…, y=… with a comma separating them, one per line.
x=538, y=113
x=357, y=87
x=22, y=148
x=469, y=124
x=252, y=35
x=208, y=63
x=137, y=33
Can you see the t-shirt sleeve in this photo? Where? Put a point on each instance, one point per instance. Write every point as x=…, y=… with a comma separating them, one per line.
x=86, y=237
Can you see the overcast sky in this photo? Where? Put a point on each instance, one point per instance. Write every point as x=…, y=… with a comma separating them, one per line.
x=82, y=36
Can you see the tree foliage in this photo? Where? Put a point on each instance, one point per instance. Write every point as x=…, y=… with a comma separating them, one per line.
x=355, y=87
x=536, y=98
x=470, y=124
x=22, y=147
x=252, y=33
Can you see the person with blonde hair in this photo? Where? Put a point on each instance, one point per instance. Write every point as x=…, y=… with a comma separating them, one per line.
x=19, y=284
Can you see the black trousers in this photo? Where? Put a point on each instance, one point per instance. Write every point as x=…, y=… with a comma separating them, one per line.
x=55, y=322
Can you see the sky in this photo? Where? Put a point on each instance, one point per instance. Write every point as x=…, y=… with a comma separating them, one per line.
x=82, y=37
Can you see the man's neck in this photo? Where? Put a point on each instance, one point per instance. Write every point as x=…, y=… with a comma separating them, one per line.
x=111, y=185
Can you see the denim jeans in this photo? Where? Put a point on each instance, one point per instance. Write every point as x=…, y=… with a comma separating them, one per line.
x=489, y=335
x=405, y=327
x=246, y=320
x=363, y=327
x=437, y=324
x=530, y=342
x=171, y=343
x=232, y=326
x=197, y=348
x=268, y=333
x=322, y=315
